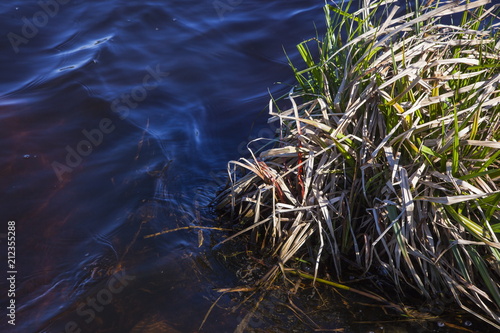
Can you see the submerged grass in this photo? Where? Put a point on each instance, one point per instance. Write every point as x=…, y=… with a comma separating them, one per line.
x=388, y=156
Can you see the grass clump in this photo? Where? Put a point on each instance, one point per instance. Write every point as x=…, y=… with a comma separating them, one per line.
x=388, y=157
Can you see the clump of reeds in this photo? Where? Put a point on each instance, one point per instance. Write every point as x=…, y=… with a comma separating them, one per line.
x=389, y=154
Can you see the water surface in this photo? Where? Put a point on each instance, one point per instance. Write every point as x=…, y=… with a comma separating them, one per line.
x=117, y=121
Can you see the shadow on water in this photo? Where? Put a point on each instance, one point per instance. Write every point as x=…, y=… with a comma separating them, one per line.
x=117, y=121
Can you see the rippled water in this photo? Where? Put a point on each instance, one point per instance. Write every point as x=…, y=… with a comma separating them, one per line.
x=117, y=121
x=116, y=116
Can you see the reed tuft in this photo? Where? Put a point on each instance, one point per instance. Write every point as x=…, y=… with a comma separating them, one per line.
x=388, y=157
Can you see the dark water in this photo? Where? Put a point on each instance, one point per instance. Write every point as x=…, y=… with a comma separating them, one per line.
x=117, y=121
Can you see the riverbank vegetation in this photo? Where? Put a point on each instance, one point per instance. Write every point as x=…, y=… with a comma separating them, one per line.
x=387, y=161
